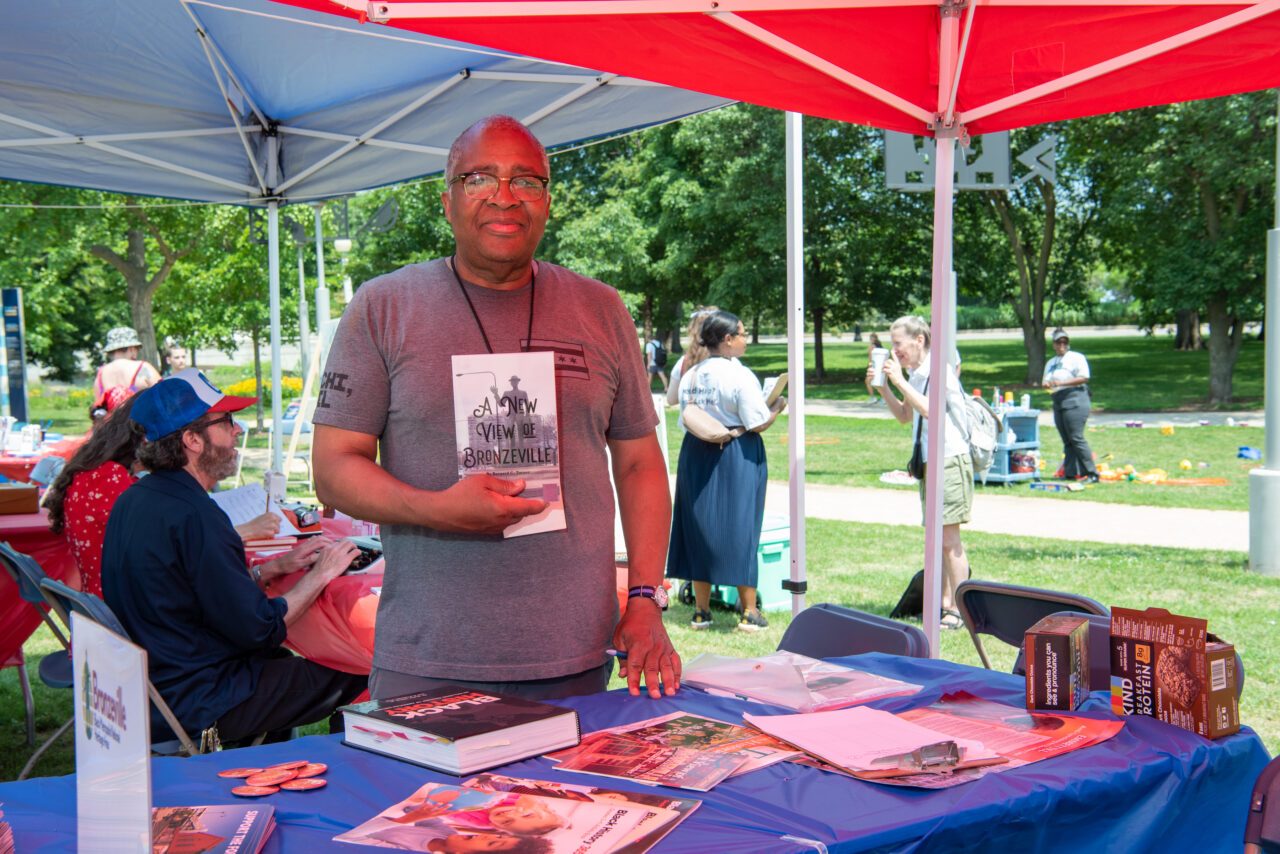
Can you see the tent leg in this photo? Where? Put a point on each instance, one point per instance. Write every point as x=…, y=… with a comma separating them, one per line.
x=273, y=277
x=795, y=352
x=940, y=347
x=1264, y=482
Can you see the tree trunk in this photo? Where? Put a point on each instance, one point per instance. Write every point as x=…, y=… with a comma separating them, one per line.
x=256, y=335
x=1188, y=330
x=755, y=328
x=1226, y=332
x=1033, y=276
x=139, y=286
x=819, y=369
x=648, y=317
x=1035, y=347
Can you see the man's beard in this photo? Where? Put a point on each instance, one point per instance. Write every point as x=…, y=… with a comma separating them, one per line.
x=217, y=463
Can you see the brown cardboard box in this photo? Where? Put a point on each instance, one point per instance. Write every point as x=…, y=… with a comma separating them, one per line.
x=1057, y=663
x=19, y=498
x=1170, y=667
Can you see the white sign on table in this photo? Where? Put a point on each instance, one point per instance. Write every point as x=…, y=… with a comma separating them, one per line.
x=113, y=740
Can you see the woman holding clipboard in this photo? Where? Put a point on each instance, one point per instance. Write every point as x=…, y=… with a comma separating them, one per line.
x=720, y=488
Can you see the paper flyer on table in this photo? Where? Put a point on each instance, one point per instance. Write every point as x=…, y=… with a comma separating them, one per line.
x=792, y=681
x=439, y=817
x=248, y=502
x=505, y=425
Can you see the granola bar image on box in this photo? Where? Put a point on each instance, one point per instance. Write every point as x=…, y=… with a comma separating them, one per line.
x=1174, y=670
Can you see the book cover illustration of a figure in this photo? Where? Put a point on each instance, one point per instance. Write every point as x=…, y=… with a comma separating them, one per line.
x=504, y=414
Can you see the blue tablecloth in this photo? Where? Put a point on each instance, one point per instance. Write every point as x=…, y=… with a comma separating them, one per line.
x=1151, y=788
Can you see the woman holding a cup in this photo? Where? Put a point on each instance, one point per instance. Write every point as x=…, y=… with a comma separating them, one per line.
x=910, y=341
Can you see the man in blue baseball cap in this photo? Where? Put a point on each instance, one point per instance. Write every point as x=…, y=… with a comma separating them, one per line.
x=173, y=570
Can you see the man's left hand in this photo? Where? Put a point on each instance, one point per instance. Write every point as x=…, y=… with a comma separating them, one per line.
x=643, y=637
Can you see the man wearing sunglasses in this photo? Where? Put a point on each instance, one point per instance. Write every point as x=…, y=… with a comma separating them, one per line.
x=529, y=615
x=173, y=571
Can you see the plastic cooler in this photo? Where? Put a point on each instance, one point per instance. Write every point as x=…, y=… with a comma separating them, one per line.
x=773, y=558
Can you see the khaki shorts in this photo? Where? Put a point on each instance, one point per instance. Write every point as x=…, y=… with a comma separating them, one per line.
x=957, y=490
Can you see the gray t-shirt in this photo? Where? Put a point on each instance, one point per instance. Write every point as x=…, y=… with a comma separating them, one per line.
x=479, y=607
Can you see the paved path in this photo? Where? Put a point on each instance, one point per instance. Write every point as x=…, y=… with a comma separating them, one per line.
x=863, y=408
x=1068, y=518
x=1053, y=518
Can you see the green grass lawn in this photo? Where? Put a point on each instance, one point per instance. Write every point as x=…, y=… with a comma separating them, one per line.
x=1130, y=373
x=866, y=567
x=856, y=451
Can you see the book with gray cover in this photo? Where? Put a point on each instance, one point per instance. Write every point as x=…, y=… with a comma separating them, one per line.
x=505, y=425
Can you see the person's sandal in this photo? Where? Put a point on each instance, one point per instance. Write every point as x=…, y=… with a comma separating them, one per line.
x=950, y=620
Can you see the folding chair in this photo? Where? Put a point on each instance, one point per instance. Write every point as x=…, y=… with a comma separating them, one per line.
x=55, y=668
x=831, y=631
x=1006, y=611
x=1262, y=825
x=66, y=600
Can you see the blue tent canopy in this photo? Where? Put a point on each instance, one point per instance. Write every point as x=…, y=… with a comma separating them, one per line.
x=179, y=98
x=250, y=102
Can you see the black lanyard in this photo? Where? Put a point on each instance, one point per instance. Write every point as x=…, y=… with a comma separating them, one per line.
x=533, y=282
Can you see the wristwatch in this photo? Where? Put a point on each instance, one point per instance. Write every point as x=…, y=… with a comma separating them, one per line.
x=657, y=594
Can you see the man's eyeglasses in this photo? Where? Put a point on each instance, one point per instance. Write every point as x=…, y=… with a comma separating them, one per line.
x=227, y=418
x=484, y=186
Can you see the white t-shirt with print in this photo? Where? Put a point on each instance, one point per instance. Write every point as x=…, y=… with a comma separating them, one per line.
x=727, y=390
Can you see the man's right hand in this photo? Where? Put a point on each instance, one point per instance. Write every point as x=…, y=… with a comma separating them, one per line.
x=483, y=504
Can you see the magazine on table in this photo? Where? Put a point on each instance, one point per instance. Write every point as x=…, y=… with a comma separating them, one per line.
x=504, y=415
x=440, y=817
x=695, y=732
x=458, y=730
x=791, y=681
x=215, y=829
x=654, y=824
x=616, y=754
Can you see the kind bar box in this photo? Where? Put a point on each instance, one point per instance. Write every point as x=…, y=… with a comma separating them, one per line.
x=1171, y=668
x=1057, y=662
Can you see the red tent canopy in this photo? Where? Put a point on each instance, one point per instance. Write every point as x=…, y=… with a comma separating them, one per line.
x=876, y=62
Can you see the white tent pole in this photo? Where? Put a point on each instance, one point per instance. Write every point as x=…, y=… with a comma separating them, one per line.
x=795, y=353
x=940, y=336
x=304, y=319
x=322, y=288
x=1264, y=482
x=940, y=348
x=273, y=277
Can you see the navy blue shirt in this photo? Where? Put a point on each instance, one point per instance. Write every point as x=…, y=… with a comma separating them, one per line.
x=173, y=570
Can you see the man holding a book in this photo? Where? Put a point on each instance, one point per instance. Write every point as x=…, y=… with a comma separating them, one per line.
x=531, y=615
x=173, y=571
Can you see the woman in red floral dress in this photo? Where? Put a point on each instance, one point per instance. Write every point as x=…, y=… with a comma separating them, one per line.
x=81, y=497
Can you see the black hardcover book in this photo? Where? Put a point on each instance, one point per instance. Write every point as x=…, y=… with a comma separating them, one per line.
x=458, y=730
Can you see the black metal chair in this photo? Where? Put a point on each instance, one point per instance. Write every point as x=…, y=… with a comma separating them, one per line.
x=831, y=631
x=1262, y=825
x=55, y=668
x=66, y=600
x=1006, y=611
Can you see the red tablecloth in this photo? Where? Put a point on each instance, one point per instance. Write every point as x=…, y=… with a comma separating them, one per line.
x=337, y=630
x=29, y=533
x=19, y=468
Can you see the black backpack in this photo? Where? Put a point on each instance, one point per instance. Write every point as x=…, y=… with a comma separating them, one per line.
x=659, y=354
